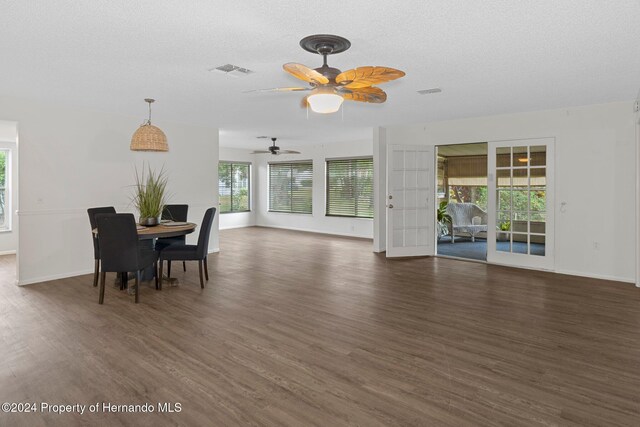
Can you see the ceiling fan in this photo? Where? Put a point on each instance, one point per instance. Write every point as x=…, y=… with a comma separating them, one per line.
x=329, y=86
x=275, y=150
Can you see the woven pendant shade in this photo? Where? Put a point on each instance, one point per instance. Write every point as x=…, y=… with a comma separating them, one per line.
x=149, y=138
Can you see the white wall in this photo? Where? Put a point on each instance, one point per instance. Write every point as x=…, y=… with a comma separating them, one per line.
x=73, y=159
x=241, y=219
x=318, y=221
x=595, y=177
x=380, y=189
x=8, y=139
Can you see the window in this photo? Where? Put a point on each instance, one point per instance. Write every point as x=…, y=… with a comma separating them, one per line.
x=291, y=187
x=350, y=187
x=233, y=186
x=5, y=196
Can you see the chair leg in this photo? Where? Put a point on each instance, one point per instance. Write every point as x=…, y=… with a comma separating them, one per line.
x=184, y=265
x=200, y=268
x=169, y=268
x=137, y=286
x=453, y=237
x=102, y=279
x=160, y=275
x=155, y=273
x=206, y=268
x=96, y=273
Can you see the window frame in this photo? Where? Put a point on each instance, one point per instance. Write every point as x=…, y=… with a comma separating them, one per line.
x=327, y=187
x=6, y=226
x=249, y=198
x=291, y=164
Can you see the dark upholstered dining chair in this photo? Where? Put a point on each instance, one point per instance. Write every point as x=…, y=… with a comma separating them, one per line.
x=173, y=213
x=192, y=252
x=120, y=249
x=96, y=246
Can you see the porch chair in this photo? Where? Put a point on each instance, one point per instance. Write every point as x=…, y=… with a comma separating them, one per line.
x=466, y=218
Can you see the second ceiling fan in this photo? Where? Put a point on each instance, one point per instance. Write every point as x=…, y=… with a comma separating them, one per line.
x=329, y=86
x=274, y=149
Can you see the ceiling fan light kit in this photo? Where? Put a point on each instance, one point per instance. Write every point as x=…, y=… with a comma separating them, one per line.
x=329, y=86
x=324, y=101
x=149, y=137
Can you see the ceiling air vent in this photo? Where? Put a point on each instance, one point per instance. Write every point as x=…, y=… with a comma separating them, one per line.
x=430, y=91
x=232, y=70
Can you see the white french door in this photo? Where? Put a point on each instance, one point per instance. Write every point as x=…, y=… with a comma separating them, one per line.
x=520, y=203
x=410, y=214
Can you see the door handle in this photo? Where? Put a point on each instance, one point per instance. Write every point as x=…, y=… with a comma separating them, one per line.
x=390, y=206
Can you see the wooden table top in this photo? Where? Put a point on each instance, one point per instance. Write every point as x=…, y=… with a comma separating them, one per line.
x=162, y=230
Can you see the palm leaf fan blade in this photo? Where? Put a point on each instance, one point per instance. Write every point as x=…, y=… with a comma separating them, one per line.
x=305, y=73
x=372, y=95
x=367, y=76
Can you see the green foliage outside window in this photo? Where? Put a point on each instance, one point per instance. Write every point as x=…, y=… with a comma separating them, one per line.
x=469, y=194
x=233, y=187
x=527, y=204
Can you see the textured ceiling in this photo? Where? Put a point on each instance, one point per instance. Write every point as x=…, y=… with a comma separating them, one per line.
x=489, y=57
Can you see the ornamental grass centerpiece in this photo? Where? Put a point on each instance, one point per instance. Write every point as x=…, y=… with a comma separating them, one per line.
x=149, y=195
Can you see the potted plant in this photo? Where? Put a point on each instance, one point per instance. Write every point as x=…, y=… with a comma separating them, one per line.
x=444, y=220
x=504, y=228
x=149, y=195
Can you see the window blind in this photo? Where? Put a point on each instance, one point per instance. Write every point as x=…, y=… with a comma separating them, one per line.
x=233, y=187
x=350, y=187
x=291, y=187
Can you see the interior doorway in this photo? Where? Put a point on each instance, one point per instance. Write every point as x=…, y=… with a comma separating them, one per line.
x=462, y=201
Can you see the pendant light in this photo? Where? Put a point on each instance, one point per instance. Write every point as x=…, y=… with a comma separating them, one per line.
x=149, y=137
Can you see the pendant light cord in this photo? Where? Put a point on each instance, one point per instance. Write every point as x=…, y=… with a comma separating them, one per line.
x=149, y=101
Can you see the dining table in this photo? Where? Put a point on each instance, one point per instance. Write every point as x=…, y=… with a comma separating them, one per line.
x=148, y=234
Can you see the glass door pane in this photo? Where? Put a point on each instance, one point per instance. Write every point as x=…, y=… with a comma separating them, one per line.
x=520, y=201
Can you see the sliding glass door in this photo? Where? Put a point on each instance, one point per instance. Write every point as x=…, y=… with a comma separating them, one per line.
x=520, y=231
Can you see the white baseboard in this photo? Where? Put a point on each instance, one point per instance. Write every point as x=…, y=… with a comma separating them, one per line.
x=213, y=251
x=596, y=276
x=8, y=252
x=53, y=277
x=306, y=230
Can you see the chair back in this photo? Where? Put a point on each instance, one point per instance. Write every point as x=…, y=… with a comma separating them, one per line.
x=462, y=213
x=118, y=242
x=175, y=212
x=205, y=232
x=92, y=220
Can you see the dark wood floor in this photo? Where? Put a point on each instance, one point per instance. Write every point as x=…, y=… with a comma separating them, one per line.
x=301, y=329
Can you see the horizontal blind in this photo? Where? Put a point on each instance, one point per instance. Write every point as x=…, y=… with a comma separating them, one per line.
x=291, y=187
x=350, y=187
